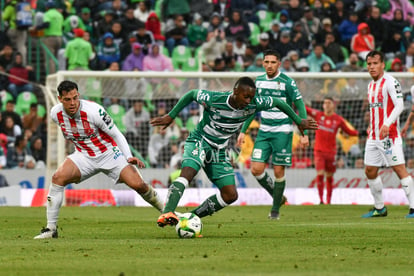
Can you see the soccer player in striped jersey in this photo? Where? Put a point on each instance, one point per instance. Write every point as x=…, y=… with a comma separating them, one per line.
x=276, y=130
x=325, y=144
x=100, y=147
x=224, y=114
x=384, y=146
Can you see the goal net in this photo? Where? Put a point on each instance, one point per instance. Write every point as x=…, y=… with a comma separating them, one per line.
x=132, y=98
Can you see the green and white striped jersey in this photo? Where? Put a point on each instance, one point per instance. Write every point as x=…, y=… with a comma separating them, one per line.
x=220, y=120
x=283, y=88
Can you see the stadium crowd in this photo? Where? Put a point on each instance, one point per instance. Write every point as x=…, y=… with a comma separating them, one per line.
x=227, y=35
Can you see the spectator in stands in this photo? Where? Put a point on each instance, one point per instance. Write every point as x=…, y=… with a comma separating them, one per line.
x=239, y=46
x=219, y=65
x=293, y=56
x=326, y=28
x=11, y=129
x=339, y=13
x=137, y=125
x=222, y=8
x=52, y=25
x=377, y=26
x=392, y=45
x=194, y=117
x=302, y=65
x=108, y=51
x=285, y=45
x=407, y=58
x=157, y=141
x=348, y=28
x=4, y=39
x=153, y=25
x=317, y=58
x=129, y=22
x=142, y=11
x=69, y=25
x=87, y=21
x=4, y=80
x=197, y=33
x=177, y=35
x=214, y=46
x=118, y=8
x=353, y=64
x=144, y=37
x=405, y=6
x=396, y=65
x=20, y=77
x=38, y=151
x=237, y=26
x=104, y=25
x=249, y=56
x=295, y=10
x=170, y=8
x=286, y=65
x=284, y=21
x=166, y=153
x=134, y=61
x=407, y=38
x=257, y=66
x=216, y=23
x=120, y=36
x=79, y=52
x=32, y=120
x=274, y=32
x=17, y=36
x=126, y=47
x=247, y=8
x=7, y=56
x=310, y=23
x=264, y=43
x=398, y=22
x=10, y=111
x=233, y=61
x=299, y=39
x=362, y=42
x=333, y=50
x=18, y=156
x=156, y=61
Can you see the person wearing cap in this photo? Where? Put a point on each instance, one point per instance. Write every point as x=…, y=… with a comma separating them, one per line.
x=264, y=43
x=107, y=51
x=285, y=44
x=197, y=33
x=134, y=61
x=78, y=52
x=71, y=22
x=52, y=26
x=276, y=130
x=274, y=32
x=326, y=28
x=85, y=17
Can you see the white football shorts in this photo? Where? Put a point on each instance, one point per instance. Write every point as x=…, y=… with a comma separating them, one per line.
x=111, y=163
x=386, y=152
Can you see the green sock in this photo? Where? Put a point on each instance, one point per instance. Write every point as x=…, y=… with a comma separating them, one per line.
x=208, y=207
x=175, y=192
x=278, y=194
x=267, y=183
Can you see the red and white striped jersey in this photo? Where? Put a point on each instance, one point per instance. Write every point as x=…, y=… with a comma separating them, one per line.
x=385, y=105
x=91, y=130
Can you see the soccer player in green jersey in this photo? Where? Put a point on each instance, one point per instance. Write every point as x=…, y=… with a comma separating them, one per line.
x=276, y=130
x=224, y=114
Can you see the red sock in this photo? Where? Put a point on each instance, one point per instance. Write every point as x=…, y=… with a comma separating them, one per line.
x=329, y=182
x=319, y=184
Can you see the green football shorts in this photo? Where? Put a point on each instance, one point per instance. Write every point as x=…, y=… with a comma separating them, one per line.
x=278, y=145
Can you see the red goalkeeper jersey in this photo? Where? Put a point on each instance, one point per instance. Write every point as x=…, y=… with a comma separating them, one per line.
x=325, y=136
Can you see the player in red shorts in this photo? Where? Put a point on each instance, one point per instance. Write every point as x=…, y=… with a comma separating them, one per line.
x=325, y=144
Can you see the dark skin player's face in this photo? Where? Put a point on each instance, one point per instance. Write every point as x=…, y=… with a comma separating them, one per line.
x=242, y=96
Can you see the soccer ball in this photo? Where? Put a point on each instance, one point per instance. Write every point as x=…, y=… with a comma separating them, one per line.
x=189, y=226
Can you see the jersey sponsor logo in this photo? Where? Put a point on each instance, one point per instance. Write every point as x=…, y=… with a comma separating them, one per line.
x=257, y=153
x=271, y=85
x=203, y=96
x=117, y=152
x=373, y=105
x=105, y=117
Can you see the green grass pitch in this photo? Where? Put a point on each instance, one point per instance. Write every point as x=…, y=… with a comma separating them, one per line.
x=307, y=240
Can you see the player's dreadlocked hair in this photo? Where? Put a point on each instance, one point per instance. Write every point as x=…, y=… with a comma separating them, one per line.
x=66, y=86
x=245, y=81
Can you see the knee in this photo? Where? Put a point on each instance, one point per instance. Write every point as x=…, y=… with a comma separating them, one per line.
x=370, y=172
x=58, y=179
x=230, y=197
x=257, y=171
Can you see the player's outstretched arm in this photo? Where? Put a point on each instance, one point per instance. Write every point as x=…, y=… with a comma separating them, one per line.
x=164, y=121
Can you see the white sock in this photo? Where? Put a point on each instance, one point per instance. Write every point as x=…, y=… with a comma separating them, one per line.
x=408, y=187
x=151, y=196
x=54, y=202
x=376, y=190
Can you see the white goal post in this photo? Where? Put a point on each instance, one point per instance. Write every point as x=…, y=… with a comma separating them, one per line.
x=349, y=89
